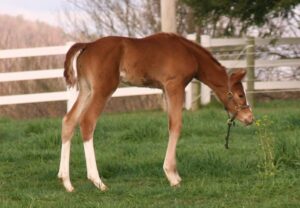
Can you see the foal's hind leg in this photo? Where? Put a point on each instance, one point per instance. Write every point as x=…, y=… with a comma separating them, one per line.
x=175, y=96
x=88, y=125
x=69, y=123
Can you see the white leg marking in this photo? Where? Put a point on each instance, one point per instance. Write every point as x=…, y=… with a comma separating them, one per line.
x=64, y=172
x=91, y=165
x=170, y=161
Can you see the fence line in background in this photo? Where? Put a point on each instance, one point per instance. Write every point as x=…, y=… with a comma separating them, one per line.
x=37, y=51
x=192, y=90
x=68, y=95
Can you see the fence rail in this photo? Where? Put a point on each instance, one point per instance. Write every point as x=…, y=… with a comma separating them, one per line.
x=31, y=75
x=32, y=52
x=224, y=42
x=70, y=94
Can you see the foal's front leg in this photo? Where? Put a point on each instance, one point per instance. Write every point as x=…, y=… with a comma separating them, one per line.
x=175, y=100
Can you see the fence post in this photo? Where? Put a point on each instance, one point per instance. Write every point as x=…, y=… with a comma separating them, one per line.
x=250, y=57
x=193, y=88
x=188, y=97
x=205, y=90
x=195, y=92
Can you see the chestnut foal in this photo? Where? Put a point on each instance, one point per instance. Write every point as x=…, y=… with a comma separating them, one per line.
x=164, y=61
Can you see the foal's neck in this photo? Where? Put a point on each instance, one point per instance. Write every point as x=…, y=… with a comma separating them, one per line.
x=213, y=76
x=217, y=79
x=209, y=71
x=212, y=73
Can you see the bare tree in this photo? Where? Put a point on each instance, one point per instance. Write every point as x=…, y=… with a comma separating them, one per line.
x=96, y=18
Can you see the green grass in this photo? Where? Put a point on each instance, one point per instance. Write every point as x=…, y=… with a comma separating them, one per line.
x=130, y=150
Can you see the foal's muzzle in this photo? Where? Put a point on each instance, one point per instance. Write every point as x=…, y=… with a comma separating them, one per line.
x=246, y=118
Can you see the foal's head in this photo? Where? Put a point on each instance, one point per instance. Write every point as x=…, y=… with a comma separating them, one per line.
x=236, y=102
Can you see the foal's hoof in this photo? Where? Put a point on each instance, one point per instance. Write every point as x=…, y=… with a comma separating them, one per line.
x=100, y=185
x=69, y=189
x=173, y=177
x=103, y=187
x=67, y=184
x=175, y=184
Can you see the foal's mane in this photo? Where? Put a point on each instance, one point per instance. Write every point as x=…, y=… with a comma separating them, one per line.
x=197, y=47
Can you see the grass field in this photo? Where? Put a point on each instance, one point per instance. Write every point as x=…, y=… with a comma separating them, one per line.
x=130, y=149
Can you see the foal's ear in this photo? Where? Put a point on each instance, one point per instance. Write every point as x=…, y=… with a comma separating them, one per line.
x=237, y=75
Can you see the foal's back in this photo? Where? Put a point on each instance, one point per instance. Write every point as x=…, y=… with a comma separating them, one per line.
x=150, y=61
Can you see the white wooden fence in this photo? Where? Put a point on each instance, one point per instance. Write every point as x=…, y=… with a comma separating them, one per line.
x=69, y=95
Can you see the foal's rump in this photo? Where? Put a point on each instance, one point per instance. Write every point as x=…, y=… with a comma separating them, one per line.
x=93, y=60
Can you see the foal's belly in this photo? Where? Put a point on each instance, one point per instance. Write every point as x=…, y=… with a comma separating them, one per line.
x=138, y=79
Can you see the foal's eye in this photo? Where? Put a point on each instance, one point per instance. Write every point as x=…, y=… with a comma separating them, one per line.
x=241, y=96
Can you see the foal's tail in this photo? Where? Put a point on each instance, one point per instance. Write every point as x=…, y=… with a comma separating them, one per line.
x=69, y=72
